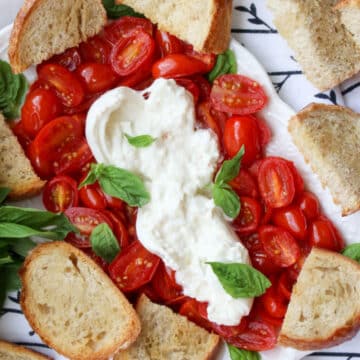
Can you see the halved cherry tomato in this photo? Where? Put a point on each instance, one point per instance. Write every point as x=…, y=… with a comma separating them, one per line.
x=70, y=59
x=97, y=77
x=292, y=219
x=95, y=50
x=100, y=261
x=126, y=26
x=244, y=184
x=67, y=86
x=309, y=205
x=41, y=106
x=92, y=197
x=207, y=59
x=259, y=313
x=274, y=303
x=60, y=193
x=168, y=44
x=190, y=309
x=206, y=118
x=119, y=229
x=204, y=86
x=22, y=136
x=249, y=218
x=276, y=182
x=176, y=66
x=133, y=267
x=131, y=53
x=113, y=202
x=237, y=94
x=84, y=106
x=285, y=285
x=239, y=131
x=265, y=132
x=322, y=234
x=279, y=245
x=298, y=180
x=85, y=220
x=191, y=87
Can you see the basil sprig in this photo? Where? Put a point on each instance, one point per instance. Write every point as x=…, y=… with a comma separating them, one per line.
x=13, y=88
x=140, y=141
x=224, y=196
x=240, y=280
x=4, y=192
x=114, y=11
x=119, y=183
x=225, y=64
x=353, y=252
x=104, y=242
x=240, y=354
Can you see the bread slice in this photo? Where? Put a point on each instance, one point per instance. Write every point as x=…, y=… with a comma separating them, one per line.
x=329, y=138
x=10, y=351
x=168, y=336
x=73, y=305
x=44, y=28
x=325, y=50
x=350, y=17
x=16, y=171
x=205, y=24
x=324, y=308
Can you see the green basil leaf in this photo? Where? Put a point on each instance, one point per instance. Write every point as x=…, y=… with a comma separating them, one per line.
x=239, y=354
x=12, y=279
x=104, y=242
x=230, y=168
x=23, y=246
x=5, y=257
x=4, y=192
x=90, y=177
x=225, y=64
x=116, y=11
x=227, y=199
x=140, y=141
x=17, y=231
x=353, y=252
x=240, y=280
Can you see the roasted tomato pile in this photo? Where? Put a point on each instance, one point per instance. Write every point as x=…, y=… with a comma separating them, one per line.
x=279, y=220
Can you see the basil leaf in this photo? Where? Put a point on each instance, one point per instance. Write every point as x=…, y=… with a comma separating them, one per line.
x=353, y=252
x=140, y=141
x=104, y=242
x=90, y=177
x=17, y=231
x=230, y=168
x=4, y=192
x=5, y=257
x=227, y=199
x=11, y=272
x=240, y=280
x=239, y=354
x=23, y=246
x=225, y=64
x=116, y=11
x=119, y=183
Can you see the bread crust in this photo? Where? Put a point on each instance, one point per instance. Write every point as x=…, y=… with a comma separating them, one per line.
x=24, y=191
x=21, y=351
x=347, y=3
x=300, y=118
x=127, y=337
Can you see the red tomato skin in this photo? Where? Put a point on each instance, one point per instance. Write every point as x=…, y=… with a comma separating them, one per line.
x=60, y=193
x=274, y=304
x=92, y=197
x=176, y=66
x=276, y=182
x=119, y=229
x=322, y=234
x=285, y=285
x=309, y=205
x=70, y=59
x=95, y=50
x=298, y=180
x=167, y=43
x=191, y=87
x=265, y=132
x=22, y=136
x=239, y=131
x=208, y=60
x=292, y=219
x=204, y=86
x=207, y=119
x=97, y=77
x=190, y=309
x=244, y=184
x=41, y=106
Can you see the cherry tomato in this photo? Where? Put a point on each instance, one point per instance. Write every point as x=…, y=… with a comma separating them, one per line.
x=309, y=205
x=230, y=331
x=84, y=106
x=208, y=119
x=237, y=94
x=249, y=218
x=67, y=86
x=41, y=106
x=133, y=267
x=100, y=261
x=279, y=245
x=265, y=132
x=119, y=228
x=204, y=86
x=168, y=44
x=97, y=77
x=298, y=180
x=191, y=87
x=239, y=131
x=263, y=316
x=276, y=182
x=92, y=197
x=85, y=220
x=274, y=304
x=292, y=219
x=244, y=184
x=95, y=50
x=285, y=285
x=254, y=168
x=22, y=136
x=322, y=234
x=125, y=27
x=139, y=80
x=113, y=202
x=70, y=59
x=177, y=65
x=207, y=59
x=60, y=193
x=190, y=309
x=131, y=53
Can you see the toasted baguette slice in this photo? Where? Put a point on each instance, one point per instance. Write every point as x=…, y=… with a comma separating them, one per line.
x=329, y=138
x=16, y=171
x=10, y=351
x=324, y=308
x=350, y=17
x=326, y=52
x=44, y=28
x=73, y=305
x=205, y=24
x=166, y=335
